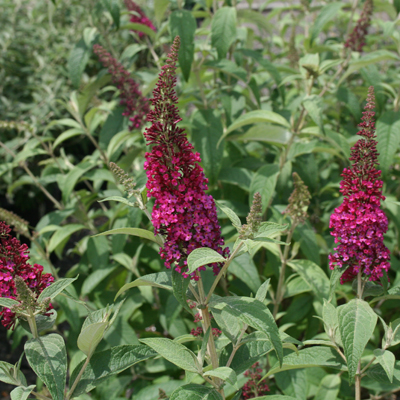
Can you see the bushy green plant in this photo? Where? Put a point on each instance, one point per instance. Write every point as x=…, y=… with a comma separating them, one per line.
x=270, y=96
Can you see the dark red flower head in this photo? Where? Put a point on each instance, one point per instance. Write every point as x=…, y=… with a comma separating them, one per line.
x=136, y=105
x=359, y=223
x=14, y=262
x=182, y=211
x=138, y=16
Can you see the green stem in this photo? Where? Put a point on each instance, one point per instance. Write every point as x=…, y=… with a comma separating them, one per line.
x=358, y=382
x=77, y=379
x=280, y=289
x=222, y=272
x=32, y=324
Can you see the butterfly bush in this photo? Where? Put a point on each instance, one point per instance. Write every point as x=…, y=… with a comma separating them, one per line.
x=136, y=105
x=254, y=387
x=138, y=16
x=14, y=262
x=182, y=212
x=359, y=223
x=356, y=39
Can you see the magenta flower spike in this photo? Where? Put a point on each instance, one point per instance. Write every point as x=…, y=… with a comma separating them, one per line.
x=356, y=39
x=182, y=212
x=136, y=105
x=359, y=223
x=138, y=16
x=14, y=262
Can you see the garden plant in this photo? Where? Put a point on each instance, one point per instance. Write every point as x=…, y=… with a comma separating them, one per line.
x=200, y=200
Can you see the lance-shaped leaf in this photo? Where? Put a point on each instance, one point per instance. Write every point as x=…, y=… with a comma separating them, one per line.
x=47, y=356
x=56, y=288
x=255, y=314
x=21, y=392
x=161, y=280
x=6, y=302
x=311, y=357
x=107, y=363
x=143, y=233
x=225, y=373
x=8, y=375
x=195, y=392
x=329, y=388
x=223, y=30
x=357, y=322
x=202, y=256
x=174, y=352
x=264, y=182
x=387, y=360
x=179, y=287
x=230, y=214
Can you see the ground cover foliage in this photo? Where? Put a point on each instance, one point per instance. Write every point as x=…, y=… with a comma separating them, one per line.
x=106, y=190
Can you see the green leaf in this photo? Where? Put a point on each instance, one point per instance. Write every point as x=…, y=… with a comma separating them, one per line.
x=327, y=13
x=22, y=392
x=357, y=322
x=56, y=288
x=225, y=373
x=236, y=176
x=244, y=268
x=253, y=117
x=43, y=322
x=174, y=352
x=47, y=356
x=143, y=233
x=91, y=336
x=183, y=24
x=264, y=181
x=71, y=179
x=96, y=277
x=202, y=256
x=228, y=324
x=107, y=363
x=141, y=28
x=263, y=290
x=7, y=372
x=329, y=388
x=61, y=235
x=313, y=105
x=311, y=357
x=179, y=287
x=77, y=61
x=223, y=30
x=314, y=276
x=195, y=392
x=331, y=321
x=207, y=129
x=119, y=199
x=293, y=383
x=8, y=303
x=275, y=397
x=388, y=137
x=270, y=229
x=67, y=135
x=160, y=279
x=230, y=214
x=113, y=8
x=387, y=360
x=255, y=314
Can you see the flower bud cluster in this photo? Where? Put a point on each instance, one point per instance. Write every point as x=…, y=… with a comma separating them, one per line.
x=138, y=16
x=182, y=212
x=199, y=331
x=253, y=388
x=136, y=105
x=298, y=201
x=358, y=223
x=254, y=219
x=19, y=224
x=124, y=179
x=15, y=270
x=356, y=39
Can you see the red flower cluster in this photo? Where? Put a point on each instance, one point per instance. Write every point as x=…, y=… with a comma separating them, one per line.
x=199, y=331
x=183, y=212
x=359, y=223
x=136, y=105
x=14, y=262
x=138, y=16
x=252, y=388
x=356, y=39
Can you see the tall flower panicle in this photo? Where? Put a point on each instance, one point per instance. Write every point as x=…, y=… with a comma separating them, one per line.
x=14, y=263
x=298, y=201
x=356, y=39
x=136, y=105
x=253, y=220
x=182, y=211
x=358, y=223
x=138, y=16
